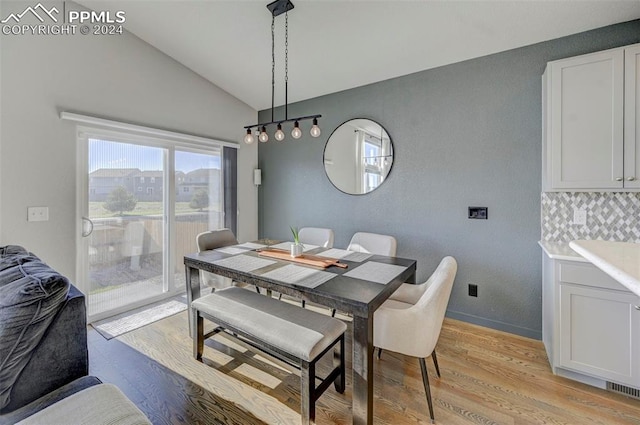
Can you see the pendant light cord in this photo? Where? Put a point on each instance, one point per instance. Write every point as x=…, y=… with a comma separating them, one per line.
x=273, y=63
x=286, y=65
x=279, y=7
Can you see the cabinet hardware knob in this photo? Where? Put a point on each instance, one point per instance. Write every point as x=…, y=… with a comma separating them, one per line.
x=618, y=179
x=637, y=307
x=630, y=179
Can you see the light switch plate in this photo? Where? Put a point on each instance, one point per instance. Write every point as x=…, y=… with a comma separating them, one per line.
x=580, y=217
x=38, y=214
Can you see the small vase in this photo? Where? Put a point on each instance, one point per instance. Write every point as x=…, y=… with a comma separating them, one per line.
x=296, y=249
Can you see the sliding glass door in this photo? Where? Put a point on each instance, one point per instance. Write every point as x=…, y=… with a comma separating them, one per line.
x=198, y=201
x=142, y=204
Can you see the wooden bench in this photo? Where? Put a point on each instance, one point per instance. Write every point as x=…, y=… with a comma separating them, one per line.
x=287, y=332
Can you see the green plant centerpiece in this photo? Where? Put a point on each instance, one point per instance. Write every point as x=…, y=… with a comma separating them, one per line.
x=296, y=247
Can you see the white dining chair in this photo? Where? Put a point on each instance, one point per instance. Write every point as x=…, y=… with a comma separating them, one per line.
x=411, y=323
x=373, y=243
x=316, y=236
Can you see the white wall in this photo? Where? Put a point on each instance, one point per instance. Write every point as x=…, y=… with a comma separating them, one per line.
x=118, y=77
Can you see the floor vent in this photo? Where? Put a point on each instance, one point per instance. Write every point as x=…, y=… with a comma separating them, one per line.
x=624, y=390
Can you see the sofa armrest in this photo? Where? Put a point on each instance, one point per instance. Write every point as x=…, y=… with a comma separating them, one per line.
x=49, y=399
x=61, y=356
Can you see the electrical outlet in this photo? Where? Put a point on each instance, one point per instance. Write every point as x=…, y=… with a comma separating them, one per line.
x=580, y=216
x=38, y=214
x=473, y=290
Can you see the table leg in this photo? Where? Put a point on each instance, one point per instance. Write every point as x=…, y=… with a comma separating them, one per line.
x=193, y=293
x=362, y=370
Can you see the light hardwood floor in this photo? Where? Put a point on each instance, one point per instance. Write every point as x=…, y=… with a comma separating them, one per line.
x=488, y=377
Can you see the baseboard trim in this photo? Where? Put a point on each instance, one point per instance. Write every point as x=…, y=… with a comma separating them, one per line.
x=494, y=324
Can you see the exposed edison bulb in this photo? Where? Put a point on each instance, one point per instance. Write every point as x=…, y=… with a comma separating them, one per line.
x=296, y=133
x=263, y=137
x=279, y=133
x=249, y=139
x=315, y=130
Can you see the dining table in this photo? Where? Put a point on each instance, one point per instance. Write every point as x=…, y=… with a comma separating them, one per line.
x=355, y=283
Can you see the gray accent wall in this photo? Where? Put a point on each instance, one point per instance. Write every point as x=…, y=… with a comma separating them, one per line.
x=466, y=134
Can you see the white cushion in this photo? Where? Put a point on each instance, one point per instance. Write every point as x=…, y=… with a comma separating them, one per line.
x=297, y=331
x=102, y=404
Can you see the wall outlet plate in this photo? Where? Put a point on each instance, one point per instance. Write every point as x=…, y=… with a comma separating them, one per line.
x=580, y=216
x=38, y=214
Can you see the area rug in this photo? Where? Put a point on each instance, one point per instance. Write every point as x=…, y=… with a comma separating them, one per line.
x=126, y=322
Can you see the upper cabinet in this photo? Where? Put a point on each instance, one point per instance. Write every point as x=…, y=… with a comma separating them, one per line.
x=591, y=122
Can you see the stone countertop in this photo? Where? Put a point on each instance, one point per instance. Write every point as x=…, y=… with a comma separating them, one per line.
x=620, y=260
x=561, y=251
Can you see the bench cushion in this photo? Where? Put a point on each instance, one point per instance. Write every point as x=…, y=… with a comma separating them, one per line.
x=102, y=404
x=292, y=329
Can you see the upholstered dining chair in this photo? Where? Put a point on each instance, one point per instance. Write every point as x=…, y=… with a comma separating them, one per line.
x=316, y=236
x=373, y=243
x=410, y=324
x=213, y=239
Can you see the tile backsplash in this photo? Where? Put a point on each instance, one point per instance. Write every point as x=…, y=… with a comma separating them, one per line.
x=613, y=216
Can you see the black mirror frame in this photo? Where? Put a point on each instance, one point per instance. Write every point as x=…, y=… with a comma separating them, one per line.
x=324, y=152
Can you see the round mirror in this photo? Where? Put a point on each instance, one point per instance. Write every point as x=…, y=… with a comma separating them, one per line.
x=358, y=156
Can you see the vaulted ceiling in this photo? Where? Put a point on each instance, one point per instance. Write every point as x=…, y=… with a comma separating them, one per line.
x=336, y=45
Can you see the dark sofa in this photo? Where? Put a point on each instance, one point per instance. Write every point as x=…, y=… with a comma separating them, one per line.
x=43, y=329
x=44, y=361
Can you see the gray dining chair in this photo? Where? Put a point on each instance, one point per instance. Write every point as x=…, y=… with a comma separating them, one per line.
x=411, y=323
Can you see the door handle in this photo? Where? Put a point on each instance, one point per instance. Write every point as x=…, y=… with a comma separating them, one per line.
x=637, y=307
x=87, y=226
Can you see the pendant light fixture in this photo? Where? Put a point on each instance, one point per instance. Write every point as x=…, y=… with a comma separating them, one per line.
x=276, y=8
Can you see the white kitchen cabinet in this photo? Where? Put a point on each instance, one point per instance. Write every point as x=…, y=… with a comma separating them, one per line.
x=590, y=140
x=632, y=116
x=591, y=325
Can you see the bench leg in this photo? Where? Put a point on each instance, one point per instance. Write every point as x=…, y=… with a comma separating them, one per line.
x=198, y=336
x=307, y=392
x=338, y=361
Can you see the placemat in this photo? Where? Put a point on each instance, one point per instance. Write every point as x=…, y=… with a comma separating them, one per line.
x=375, y=272
x=298, y=275
x=244, y=263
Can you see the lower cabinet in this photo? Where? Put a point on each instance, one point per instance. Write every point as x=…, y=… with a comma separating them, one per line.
x=592, y=330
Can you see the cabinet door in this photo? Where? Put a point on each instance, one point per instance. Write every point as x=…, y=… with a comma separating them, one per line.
x=599, y=333
x=586, y=119
x=632, y=117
